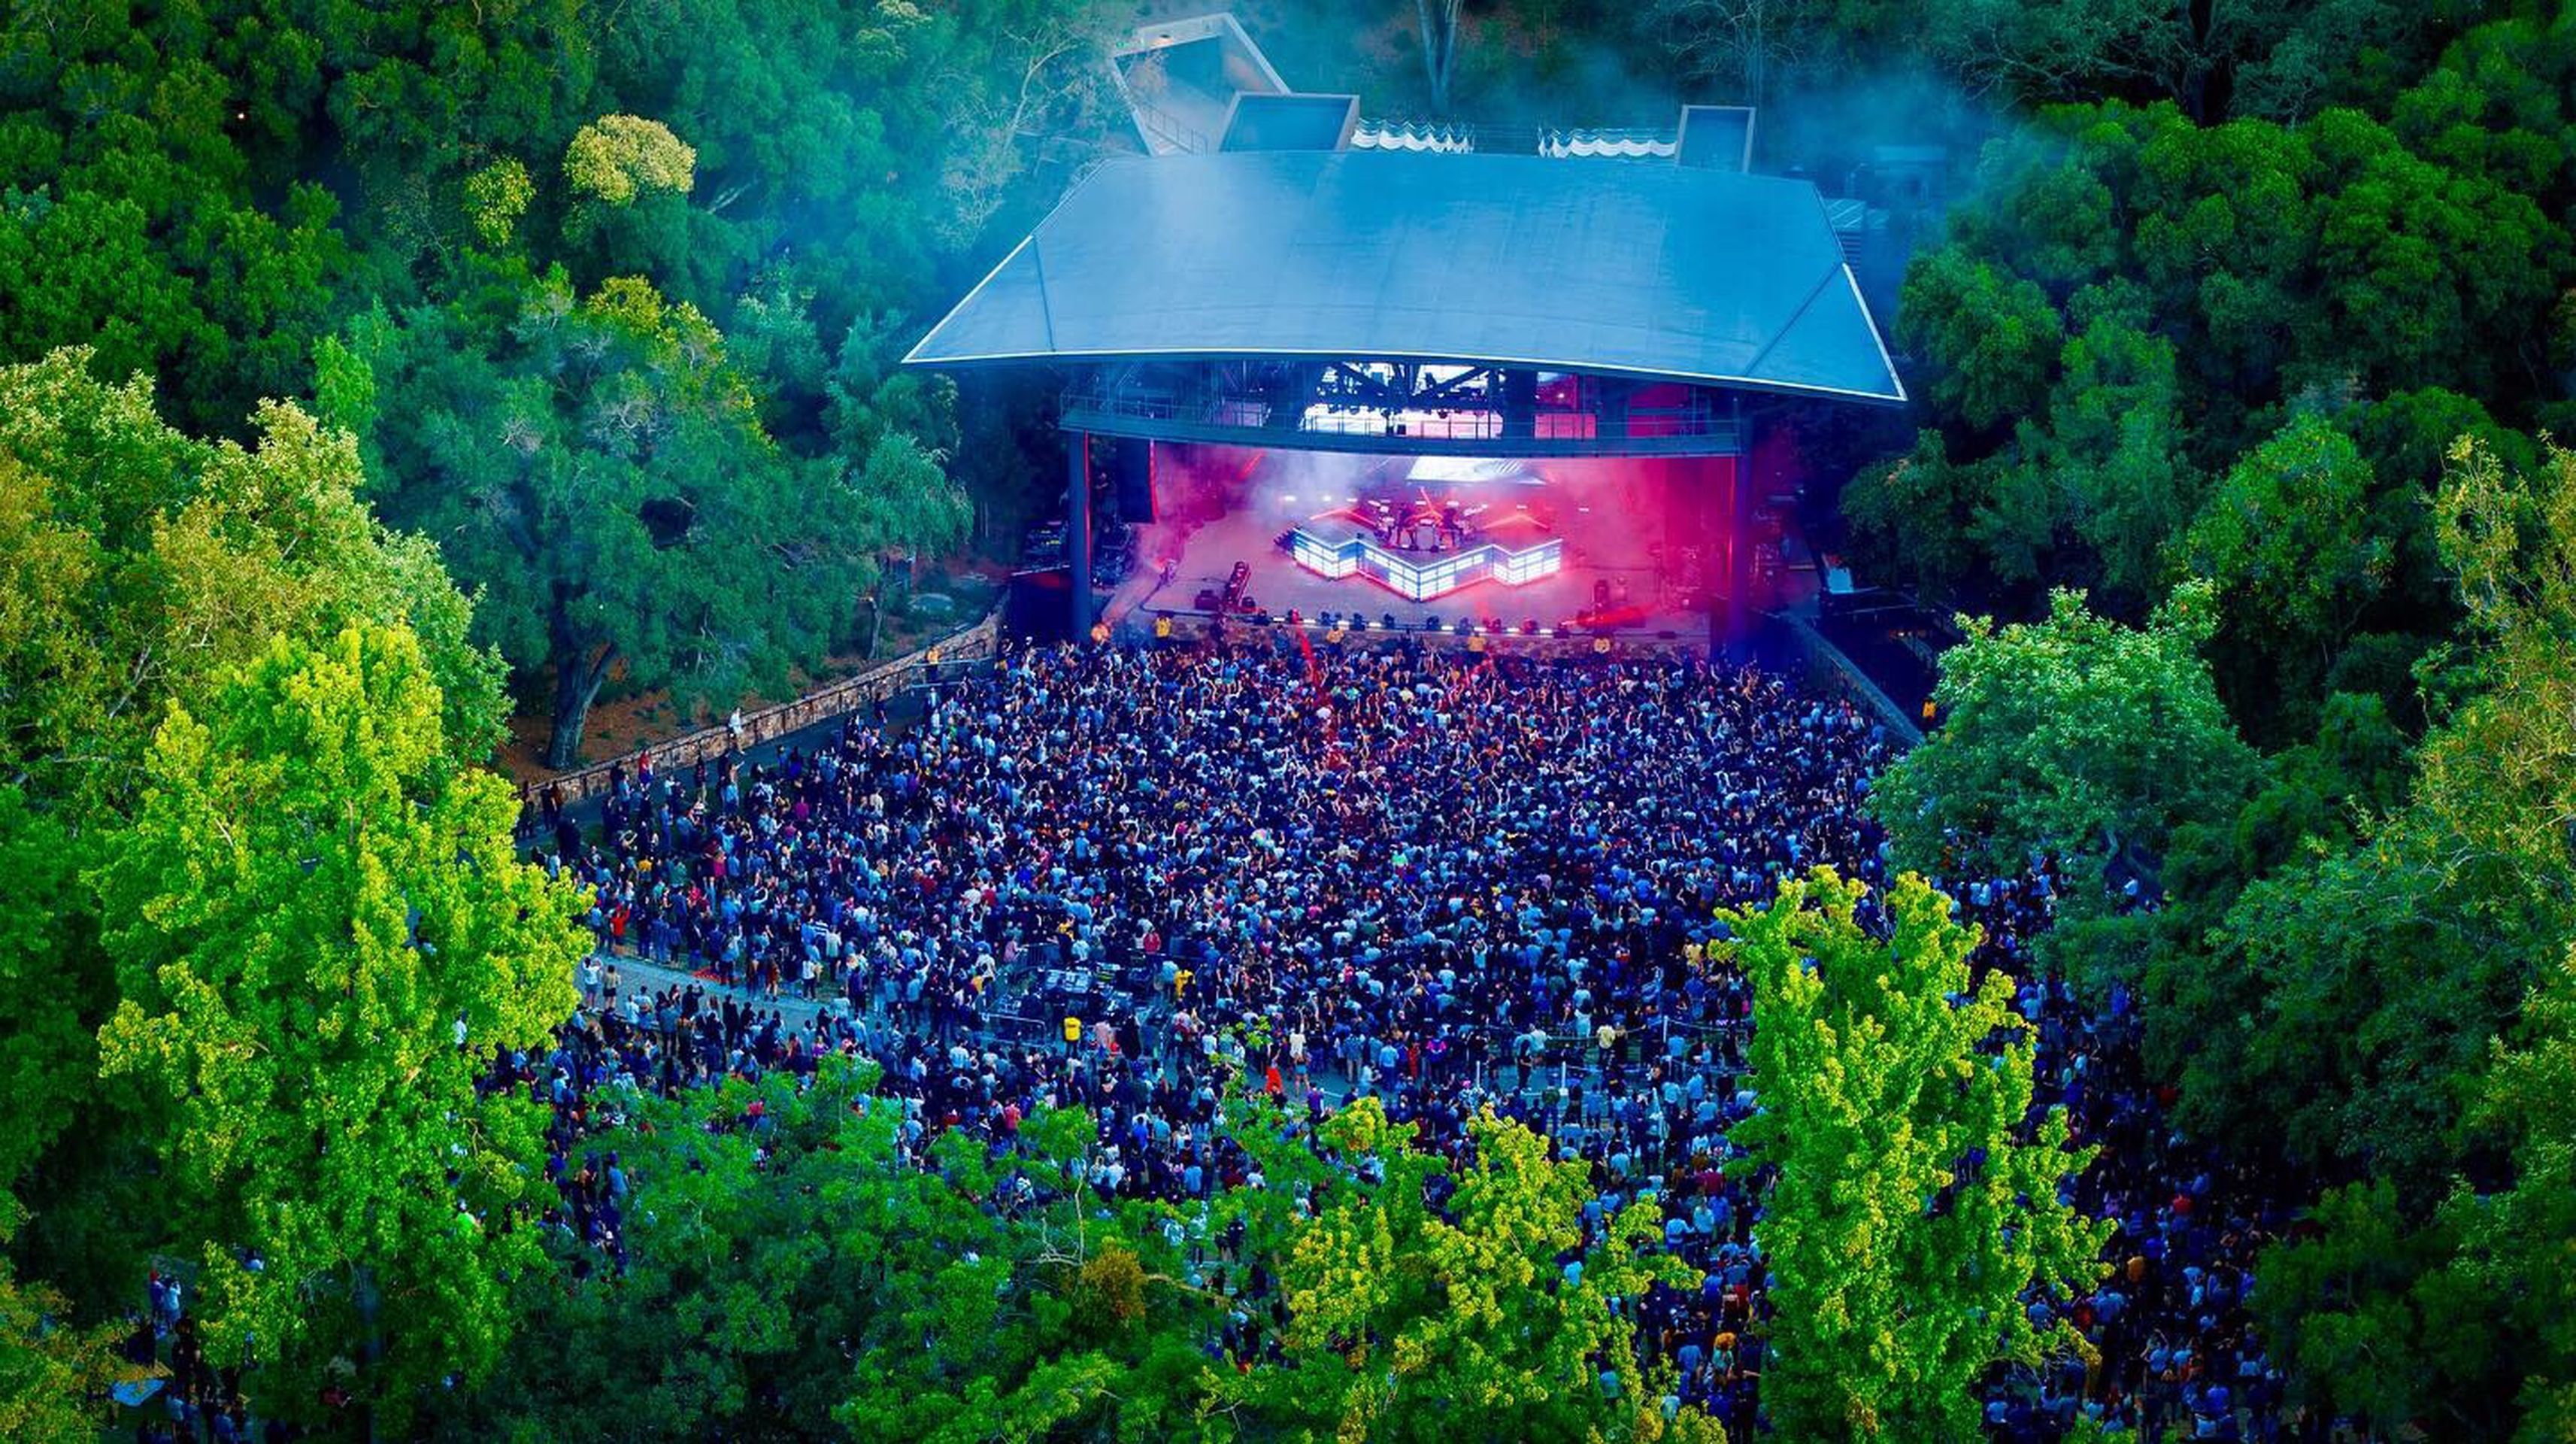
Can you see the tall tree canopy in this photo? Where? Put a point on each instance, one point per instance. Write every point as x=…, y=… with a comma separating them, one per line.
x=597, y=467
x=2457, y=1299
x=1425, y=1300
x=789, y=1263
x=139, y=568
x=2228, y=294
x=138, y=565
x=2074, y=736
x=323, y=937
x=1916, y=1200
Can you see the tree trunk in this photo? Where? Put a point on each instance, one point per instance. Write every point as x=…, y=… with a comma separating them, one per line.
x=1439, y=20
x=578, y=674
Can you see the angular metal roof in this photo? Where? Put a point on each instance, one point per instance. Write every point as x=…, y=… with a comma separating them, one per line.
x=1606, y=267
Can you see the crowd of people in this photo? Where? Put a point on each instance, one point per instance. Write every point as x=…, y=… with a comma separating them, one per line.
x=1129, y=879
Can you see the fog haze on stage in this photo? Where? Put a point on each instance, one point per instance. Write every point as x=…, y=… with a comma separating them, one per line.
x=1642, y=538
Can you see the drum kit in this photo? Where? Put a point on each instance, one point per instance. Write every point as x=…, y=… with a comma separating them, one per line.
x=1420, y=523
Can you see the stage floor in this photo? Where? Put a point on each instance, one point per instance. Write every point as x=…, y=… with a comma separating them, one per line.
x=1599, y=548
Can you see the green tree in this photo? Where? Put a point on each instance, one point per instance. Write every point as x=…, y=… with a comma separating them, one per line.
x=323, y=938
x=597, y=468
x=498, y=194
x=53, y=992
x=790, y=1263
x=2448, y=972
x=2294, y=547
x=2276, y=57
x=1409, y=1321
x=1916, y=1198
x=2210, y=282
x=138, y=568
x=2342, y=1003
x=54, y=1375
x=2513, y=1242
x=1991, y=370
x=1911, y=516
x=616, y=158
x=2499, y=773
x=2465, y=1318
x=2072, y=736
x=138, y=565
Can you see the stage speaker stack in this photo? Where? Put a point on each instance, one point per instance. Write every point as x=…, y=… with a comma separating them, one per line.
x=1132, y=467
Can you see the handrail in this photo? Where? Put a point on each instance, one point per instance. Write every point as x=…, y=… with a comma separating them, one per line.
x=974, y=642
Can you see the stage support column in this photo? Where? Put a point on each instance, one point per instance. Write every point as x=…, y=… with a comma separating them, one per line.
x=1077, y=527
x=1739, y=536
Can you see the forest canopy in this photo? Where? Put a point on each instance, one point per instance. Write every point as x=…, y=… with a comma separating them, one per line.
x=385, y=385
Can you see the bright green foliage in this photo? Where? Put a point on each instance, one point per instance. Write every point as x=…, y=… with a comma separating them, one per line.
x=138, y=565
x=1407, y=1322
x=618, y=157
x=139, y=568
x=803, y=1269
x=2308, y=800
x=53, y=1374
x=2500, y=103
x=2113, y=455
x=2500, y=774
x=498, y=194
x=596, y=466
x=1916, y=1201
x=2073, y=736
x=323, y=936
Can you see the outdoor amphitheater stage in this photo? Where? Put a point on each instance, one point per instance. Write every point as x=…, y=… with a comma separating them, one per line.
x=1506, y=388
x=1626, y=547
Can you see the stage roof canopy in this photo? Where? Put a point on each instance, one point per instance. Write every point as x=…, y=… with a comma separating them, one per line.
x=1604, y=267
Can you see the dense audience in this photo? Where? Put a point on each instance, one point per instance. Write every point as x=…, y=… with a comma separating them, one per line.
x=1125, y=879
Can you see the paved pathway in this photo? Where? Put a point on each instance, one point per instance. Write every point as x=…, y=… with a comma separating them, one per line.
x=635, y=971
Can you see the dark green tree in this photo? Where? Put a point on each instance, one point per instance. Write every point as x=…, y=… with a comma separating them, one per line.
x=597, y=467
